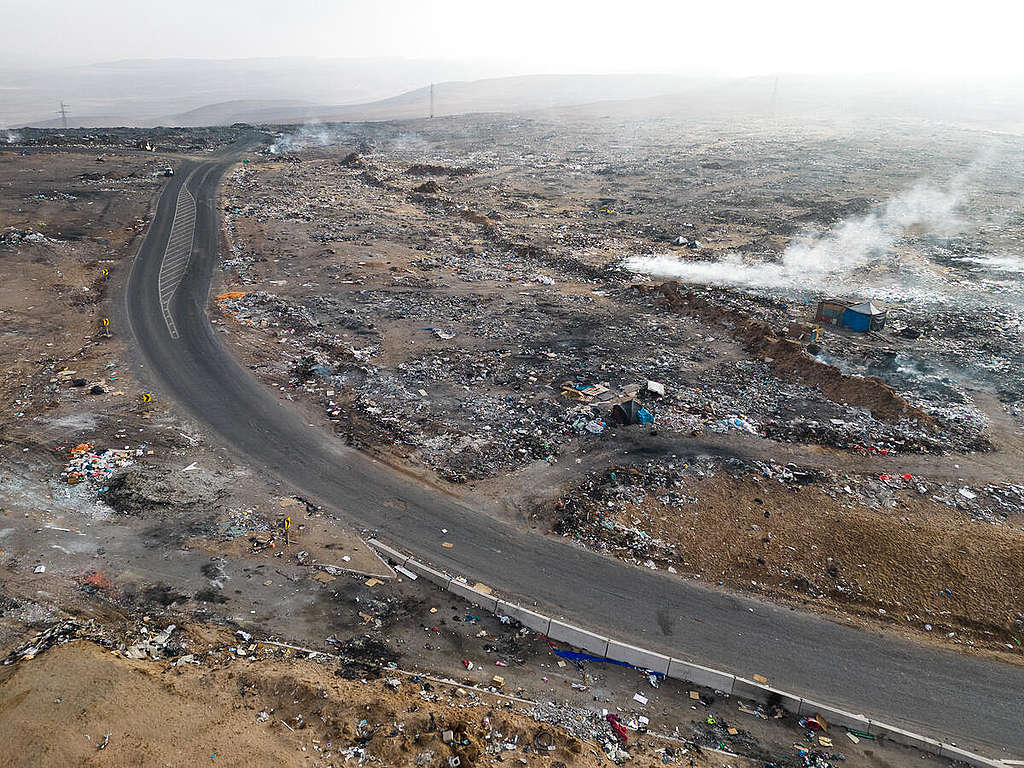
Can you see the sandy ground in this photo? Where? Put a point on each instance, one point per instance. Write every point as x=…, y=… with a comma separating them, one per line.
x=280, y=706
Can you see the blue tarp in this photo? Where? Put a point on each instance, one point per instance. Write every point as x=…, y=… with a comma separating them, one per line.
x=576, y=656
x=856, y=321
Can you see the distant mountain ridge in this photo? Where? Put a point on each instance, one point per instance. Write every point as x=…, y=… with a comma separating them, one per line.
x=506, y=94
x=191, y=93
x=142, y=92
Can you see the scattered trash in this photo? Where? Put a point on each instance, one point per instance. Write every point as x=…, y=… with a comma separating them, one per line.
x=57, y=634
x=86, y=464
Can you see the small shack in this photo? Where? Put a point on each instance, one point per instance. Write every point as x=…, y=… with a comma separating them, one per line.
x=863, y=317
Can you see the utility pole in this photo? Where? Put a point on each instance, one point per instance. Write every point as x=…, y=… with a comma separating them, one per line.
x=63, y=112
x=431, y=101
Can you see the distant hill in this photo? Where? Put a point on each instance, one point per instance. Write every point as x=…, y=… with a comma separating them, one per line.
x=191, y=92
x=994, y=102
x=228, y=112
x=512, y=94
x=505, y=94
x=145, y=92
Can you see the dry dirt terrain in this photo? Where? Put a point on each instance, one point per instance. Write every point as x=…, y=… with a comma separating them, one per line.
x=204, y=692
x=458, y=297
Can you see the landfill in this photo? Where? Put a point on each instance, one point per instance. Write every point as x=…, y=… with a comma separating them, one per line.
x=561, y=321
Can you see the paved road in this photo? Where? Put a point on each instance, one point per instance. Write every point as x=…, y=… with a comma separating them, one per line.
x=976, y=704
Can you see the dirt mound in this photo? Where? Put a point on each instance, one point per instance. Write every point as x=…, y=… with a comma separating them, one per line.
x=269, y=709
x=475, y=217
x=791, y=361
x=353, y=160
x=371, y=180
x=428, y=188
x=138, y=490
x=424, y=169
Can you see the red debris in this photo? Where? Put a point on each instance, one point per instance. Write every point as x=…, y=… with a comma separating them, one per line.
x=620, y=730
x=97, y=579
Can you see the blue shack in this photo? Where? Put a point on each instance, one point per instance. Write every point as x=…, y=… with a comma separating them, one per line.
x=863, y=317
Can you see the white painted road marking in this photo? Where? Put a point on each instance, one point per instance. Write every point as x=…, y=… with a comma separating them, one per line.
x=177, y=253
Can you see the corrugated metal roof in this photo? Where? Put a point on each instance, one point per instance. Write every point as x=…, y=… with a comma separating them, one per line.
x=867, y=308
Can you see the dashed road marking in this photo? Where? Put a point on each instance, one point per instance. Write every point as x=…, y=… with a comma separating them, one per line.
x=177, y=253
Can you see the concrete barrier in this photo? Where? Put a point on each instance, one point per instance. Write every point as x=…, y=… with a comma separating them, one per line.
x=834, y=716
x=906, y=738
x=535, y=621
x=955, y=753
x=638, y=657
x=384, y=549
x=430, y=574
x=464, y=590
x=698, y=675
x=765, y=694
x=578, y=638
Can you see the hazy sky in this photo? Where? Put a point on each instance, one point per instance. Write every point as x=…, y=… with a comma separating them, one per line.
x=533, y=36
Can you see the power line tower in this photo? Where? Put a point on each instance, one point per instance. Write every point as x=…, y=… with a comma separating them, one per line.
x=63, y=112
x=431, y=101
x=775, y=98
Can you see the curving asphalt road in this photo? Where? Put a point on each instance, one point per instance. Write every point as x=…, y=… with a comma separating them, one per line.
x=978, y=704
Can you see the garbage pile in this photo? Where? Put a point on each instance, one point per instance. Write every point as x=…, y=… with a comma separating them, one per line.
x=12, y=237
x=58, y=633
x=591, y=511
x=154, y=644
x=465, y=414
x=991, y=503
x=588, y=725
x=86, y=464
x=715, y=732
x=952, y=350
x=471, y=413
x=167, y=139
x=605, y=509
x=442, y=324
x=581, y=722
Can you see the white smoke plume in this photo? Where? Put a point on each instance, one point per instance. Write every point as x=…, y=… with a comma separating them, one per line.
x=815, y=259
x=1005, y=263
x=309, y=135
x=12, y=137
x=408, y=145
